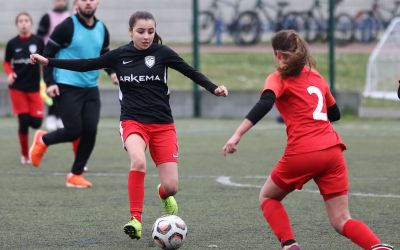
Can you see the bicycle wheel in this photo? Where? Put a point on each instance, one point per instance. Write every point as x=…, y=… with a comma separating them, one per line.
x=312, y=29
x=206, y=26
x=344, y=29
x=366, y=28
x=248, y=28
x=294, y=21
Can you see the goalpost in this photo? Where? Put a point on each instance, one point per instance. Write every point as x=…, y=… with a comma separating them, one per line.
x=383, y=70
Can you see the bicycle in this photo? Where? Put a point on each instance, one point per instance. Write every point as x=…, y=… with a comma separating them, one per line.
x=370, y=22
x=317, y=25
x=211, y=23
x=251, y=24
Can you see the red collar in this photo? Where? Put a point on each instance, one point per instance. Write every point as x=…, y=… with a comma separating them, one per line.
x=25, y=37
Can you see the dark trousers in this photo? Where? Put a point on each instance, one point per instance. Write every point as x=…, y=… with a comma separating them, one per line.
x=53, y=111
x=79, y=109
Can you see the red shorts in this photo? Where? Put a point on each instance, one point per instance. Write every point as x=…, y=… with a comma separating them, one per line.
x=161, y=139
x=326, y=167
x=27, y=103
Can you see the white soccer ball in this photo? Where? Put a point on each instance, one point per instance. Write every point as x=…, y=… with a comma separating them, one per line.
x=169, y=232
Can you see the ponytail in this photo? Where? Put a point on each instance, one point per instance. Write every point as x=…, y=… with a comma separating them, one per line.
x=295, y=53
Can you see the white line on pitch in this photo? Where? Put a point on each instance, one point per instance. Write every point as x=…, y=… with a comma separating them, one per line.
x=104, y=174
x=226, y=180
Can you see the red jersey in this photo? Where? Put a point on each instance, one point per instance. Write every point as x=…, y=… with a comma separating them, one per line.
x=303, y=101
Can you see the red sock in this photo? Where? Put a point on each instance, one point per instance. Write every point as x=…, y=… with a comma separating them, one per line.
x=359, y=233
x=162, y=193
x=277, y=218
x=136, y=193
x=24, y=143
x=75, y=145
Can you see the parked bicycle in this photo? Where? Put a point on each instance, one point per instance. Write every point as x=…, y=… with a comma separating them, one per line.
x=317, y=24
x=211, y=21
x=252, y=23
x=369, y=23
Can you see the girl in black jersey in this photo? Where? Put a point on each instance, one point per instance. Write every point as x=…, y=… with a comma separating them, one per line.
x=23, y=80
x=146, y=119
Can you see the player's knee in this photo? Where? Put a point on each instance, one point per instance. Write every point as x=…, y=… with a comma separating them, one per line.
x=261, y=200
x=73, y=133
x=35, y=122
x=170, y=187
x=138, y=164
x=23, y=122
x=90, y=131
x=338, y=220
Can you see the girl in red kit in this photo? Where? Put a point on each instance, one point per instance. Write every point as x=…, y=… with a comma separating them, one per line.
x=314, y=149
x=23, y=80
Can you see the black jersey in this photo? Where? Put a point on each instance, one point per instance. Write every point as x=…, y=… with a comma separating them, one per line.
x=18, y=51
x=142, y=75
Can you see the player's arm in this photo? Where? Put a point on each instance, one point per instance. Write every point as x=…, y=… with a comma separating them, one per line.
x=398, y=91
x=173, y=60
x=11, y=75
x=332, y=110
x=260, y=109
x=106, y=48
x=44, y=26
x=333, y=113
x=81, y=65
x=60, y=38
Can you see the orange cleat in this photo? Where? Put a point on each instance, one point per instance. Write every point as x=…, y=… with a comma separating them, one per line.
x=38, y=148
x=77, y=181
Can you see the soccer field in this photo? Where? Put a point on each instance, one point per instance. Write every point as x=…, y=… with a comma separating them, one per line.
x=218, y=196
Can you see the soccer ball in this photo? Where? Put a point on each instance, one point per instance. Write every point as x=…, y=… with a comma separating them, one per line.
x=169, y=232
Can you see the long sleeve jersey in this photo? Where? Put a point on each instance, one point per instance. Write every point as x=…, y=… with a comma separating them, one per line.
x=17, y=61
x=142, y=75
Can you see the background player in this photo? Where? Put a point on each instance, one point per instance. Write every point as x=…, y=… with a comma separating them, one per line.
x=76, y=94
x=47, y=24
x=24, y=80
x=314, y=149
x=146, y=119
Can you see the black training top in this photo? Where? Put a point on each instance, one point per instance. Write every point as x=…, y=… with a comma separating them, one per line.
x=17, y=54
x=142, y=75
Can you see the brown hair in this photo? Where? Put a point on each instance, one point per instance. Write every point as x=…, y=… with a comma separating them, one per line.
x=295, y=53
x=140, y=15
x=23, y=14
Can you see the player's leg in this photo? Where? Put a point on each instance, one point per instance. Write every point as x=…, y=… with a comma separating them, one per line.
x=275, y=214
x=340, y=219
x=90, y=114
x=164, y=152
x=135, y=145
x=168, y=187
x=36, y=110
x=23, y=135
x=333, y=185
x=20, y=105
x=70, y=103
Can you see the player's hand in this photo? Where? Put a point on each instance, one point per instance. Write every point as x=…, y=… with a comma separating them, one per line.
x=36, y=58
x=221, y=91
x=53, y=90
x=114, y=79
x=230, y=146
x=11, y=78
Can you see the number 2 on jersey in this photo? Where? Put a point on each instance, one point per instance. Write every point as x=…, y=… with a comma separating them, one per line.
x=318, y=114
